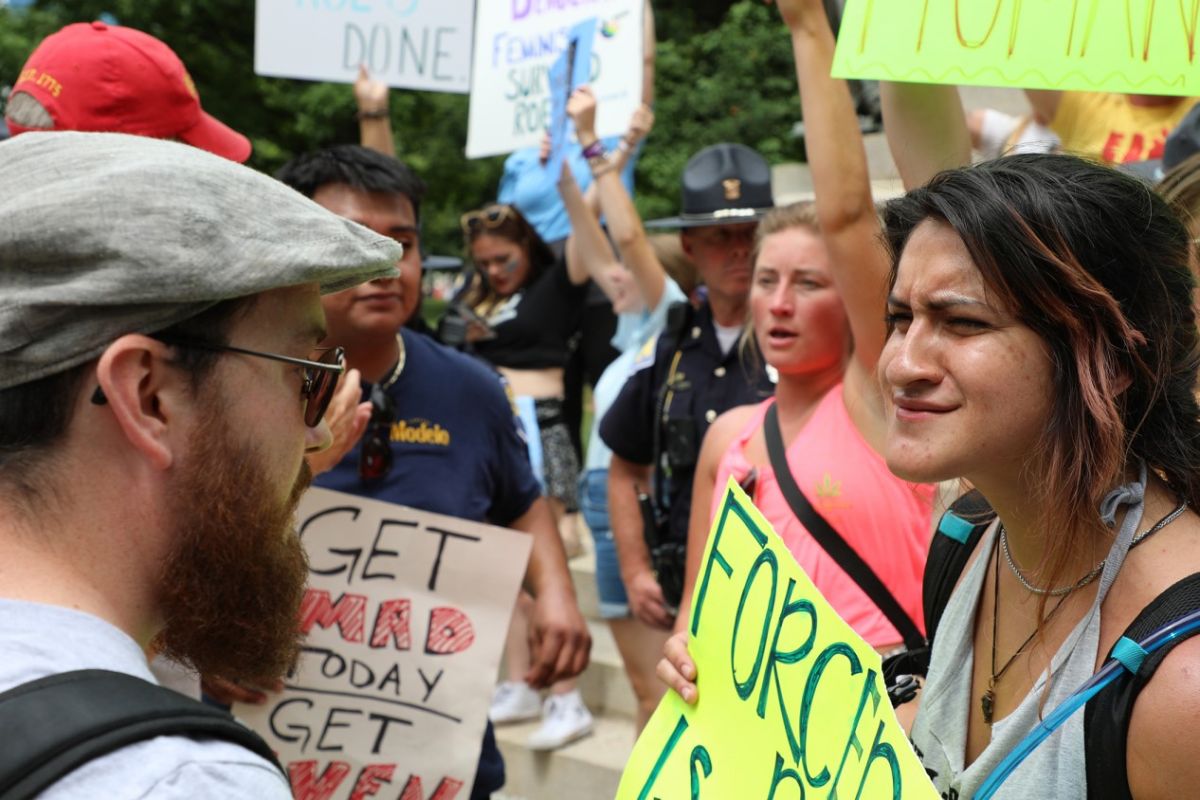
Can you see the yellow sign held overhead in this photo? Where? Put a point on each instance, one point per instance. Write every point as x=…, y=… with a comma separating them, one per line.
x=1134, y=46
x=791, y=700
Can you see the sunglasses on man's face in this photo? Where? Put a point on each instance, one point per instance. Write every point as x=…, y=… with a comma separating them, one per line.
x=320, y=377
x=375, y=455
x=485, y=219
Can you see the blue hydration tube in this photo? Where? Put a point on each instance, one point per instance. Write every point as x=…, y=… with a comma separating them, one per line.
x=1127, y=655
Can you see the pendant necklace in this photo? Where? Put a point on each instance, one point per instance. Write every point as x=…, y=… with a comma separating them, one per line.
x=987, y=701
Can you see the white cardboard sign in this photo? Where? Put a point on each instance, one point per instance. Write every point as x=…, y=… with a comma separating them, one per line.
x=409, y=44
x=516, y=42
x=406, y=614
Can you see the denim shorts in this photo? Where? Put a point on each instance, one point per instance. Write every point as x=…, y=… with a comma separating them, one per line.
x=593, y=503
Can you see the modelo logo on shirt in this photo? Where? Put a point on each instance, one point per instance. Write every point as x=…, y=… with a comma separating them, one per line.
x=420, y=431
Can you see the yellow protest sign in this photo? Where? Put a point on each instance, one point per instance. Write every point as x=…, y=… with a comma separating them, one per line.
x=1135, y=46
x=791, y=700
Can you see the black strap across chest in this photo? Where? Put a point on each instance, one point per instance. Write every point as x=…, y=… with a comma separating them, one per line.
x=1107, y=715
x=53, y=725
x=838, y=548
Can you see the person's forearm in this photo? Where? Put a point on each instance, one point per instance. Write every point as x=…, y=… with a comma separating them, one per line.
x=375, y=132
x=926, y=130
x=547, y=570
x=625, y=516
x=841, y=180
x=625, y=227
x=588, y=254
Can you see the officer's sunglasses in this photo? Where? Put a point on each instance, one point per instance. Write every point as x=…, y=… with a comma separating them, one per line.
x=375, y=455
x=485, y=218
x=320, y=377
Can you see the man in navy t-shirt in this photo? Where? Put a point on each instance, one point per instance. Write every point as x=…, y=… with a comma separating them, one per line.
x=443, y=436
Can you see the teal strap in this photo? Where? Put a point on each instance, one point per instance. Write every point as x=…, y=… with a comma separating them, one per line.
x=1129, y=653
x=955, y=527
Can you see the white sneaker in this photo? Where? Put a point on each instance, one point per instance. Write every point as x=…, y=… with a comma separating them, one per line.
x=564, y=719
x=514, y=701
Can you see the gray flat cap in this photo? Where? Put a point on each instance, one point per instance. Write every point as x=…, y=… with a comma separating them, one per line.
x=106, y=234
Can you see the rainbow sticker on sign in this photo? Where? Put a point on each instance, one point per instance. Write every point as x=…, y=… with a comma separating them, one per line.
x=1135, y=46
x=791, y=700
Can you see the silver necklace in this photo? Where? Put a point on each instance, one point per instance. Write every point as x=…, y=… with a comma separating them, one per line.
x=1091, y=576
x=395, y=373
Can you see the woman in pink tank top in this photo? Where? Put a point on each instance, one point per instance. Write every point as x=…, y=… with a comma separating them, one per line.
x=824, y=340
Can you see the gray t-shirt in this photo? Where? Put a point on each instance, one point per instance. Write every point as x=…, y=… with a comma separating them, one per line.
x=1058, y=766
x=37, y=640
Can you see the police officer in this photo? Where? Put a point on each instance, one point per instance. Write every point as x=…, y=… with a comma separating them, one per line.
x=684, y=380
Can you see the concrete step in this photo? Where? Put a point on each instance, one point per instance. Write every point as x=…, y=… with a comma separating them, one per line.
x=604, y=685
x=589, y=769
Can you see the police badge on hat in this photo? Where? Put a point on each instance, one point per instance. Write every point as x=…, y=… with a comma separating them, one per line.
x=725, y=184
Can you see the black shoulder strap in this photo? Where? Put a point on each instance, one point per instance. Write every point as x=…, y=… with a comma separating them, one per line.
x=55, y=724
x=837, y=547
x=957, y=535
x=1106, y=716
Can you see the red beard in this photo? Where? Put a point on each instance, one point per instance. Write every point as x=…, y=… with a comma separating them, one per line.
x=232, y=585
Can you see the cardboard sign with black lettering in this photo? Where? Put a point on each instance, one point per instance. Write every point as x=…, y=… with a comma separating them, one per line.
x=405, y=617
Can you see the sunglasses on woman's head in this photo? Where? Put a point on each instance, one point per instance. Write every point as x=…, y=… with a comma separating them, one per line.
x=485, y=218
x=375, y=455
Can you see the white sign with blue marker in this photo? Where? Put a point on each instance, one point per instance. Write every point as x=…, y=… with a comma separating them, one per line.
x=517, y=42
x=409, y=44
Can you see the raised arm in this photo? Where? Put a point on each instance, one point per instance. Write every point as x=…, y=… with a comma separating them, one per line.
x=588, y=252
x=926, y=130
x=624, y=224
x=849, y=225
x=374, y=121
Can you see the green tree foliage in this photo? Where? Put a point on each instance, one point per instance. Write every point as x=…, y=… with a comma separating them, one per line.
x=724, y=74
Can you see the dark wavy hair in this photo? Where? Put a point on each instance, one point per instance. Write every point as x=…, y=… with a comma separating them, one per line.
x=1097, y=264
x=515, y=228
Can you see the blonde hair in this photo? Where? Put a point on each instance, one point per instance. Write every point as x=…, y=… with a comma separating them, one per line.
x=802, y=214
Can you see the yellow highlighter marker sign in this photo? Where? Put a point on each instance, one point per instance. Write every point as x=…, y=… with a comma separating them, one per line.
x=1134, y=46
x=792, y=701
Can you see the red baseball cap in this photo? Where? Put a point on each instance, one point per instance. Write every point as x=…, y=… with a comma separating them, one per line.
x=97, y=77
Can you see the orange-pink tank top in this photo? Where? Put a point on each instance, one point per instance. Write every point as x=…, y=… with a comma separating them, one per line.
x=885, y=519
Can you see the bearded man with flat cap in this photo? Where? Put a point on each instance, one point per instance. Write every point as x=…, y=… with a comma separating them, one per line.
x=159, y=389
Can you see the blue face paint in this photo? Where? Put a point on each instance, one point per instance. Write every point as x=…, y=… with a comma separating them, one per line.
x=512, y=266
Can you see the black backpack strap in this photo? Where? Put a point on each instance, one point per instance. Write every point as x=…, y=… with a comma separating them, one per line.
x=957, y=535
x=55, y=724
x=1106, y=716
x=833, y=543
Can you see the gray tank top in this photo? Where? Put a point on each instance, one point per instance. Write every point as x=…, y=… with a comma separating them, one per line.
x=1057, y=767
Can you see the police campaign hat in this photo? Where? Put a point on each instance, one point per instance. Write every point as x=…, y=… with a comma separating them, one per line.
x=104, y=234
x=724, y=184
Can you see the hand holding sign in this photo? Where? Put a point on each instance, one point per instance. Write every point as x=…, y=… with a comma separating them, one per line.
x=793, y=701
x=676, y=668
x=581, y=108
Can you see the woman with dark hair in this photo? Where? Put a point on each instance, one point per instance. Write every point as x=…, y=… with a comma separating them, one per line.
x=527, y=303
x=1043, y=347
